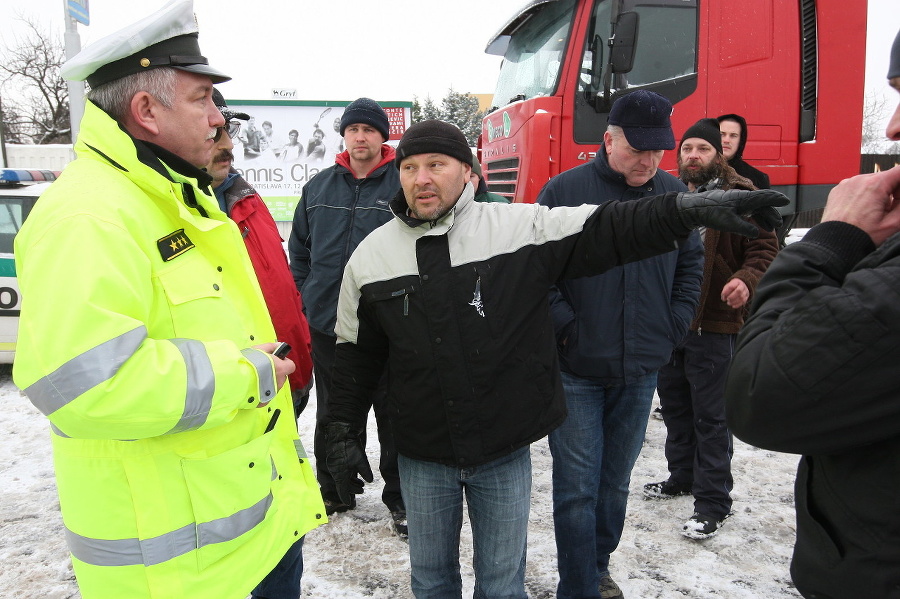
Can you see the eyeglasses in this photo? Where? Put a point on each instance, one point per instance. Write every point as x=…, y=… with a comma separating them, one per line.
x=232, y=127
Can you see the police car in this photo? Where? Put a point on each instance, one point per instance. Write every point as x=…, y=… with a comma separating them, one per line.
x=19, y=190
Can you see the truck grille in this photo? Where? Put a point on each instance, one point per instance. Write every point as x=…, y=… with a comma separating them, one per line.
x=501, y=177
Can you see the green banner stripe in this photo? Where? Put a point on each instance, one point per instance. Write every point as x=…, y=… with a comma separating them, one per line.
x=7, y=267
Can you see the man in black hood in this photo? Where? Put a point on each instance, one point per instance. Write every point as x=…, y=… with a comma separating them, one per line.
x=734, y=137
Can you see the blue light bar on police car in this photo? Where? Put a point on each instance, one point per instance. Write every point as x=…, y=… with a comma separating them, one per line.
x=21, y=175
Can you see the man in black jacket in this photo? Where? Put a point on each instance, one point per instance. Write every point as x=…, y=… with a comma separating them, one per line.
x=452, y=296
x=691, y=385
x=815, y=373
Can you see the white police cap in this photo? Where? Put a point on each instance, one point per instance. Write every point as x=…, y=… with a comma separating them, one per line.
x=167, y=38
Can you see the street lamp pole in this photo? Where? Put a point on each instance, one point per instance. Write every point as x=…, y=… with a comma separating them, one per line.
x=76, y=88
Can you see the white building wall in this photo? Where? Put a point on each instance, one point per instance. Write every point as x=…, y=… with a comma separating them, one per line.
x=49, y=157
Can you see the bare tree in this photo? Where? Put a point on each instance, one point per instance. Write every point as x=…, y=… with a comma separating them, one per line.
x=35, y=105
x=876, y=110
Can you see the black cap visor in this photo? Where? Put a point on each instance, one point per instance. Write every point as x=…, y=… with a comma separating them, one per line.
x=180, y=52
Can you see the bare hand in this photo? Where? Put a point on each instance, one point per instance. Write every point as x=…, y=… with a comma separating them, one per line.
x=868, y=202
x=735, y=293
x=282, y=367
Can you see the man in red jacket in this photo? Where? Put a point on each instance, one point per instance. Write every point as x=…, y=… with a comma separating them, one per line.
x=264, y=244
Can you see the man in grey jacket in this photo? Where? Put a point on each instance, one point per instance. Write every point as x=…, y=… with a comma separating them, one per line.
x=452, y=296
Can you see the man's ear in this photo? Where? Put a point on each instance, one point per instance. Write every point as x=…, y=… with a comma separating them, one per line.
x=143, y=112
x=607, y=141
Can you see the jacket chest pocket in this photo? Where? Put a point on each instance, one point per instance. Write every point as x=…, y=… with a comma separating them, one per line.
x=193, y=292
x=397, y=308
x=394, y=300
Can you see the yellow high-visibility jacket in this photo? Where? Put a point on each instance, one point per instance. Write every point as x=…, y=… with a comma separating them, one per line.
x=138, y=317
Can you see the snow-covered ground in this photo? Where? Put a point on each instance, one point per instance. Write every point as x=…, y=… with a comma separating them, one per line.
x=356, y=556
x=795, y=235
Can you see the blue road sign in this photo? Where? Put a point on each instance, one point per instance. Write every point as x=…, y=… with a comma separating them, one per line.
x=78, y=10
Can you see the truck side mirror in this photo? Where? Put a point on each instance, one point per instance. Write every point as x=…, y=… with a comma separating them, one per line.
x=621, y=57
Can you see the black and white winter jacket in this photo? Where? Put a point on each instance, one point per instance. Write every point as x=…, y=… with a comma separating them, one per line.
x=458, y=308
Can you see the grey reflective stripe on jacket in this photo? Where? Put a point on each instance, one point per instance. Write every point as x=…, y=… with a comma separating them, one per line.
x=264, y=370
x=149, y=552
x=201, y=385
x=99, y=364
x=84, y=372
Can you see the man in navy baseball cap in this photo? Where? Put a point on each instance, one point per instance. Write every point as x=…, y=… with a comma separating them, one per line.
x=644, y=118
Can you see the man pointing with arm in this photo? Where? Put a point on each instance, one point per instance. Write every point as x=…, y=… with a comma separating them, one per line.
x=452, y=295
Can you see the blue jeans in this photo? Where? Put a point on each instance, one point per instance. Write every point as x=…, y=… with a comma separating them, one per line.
x=593, y=453
x=283, y=582
x=498, y=495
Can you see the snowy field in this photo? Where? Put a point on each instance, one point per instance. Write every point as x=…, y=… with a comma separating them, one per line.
x=356, y=555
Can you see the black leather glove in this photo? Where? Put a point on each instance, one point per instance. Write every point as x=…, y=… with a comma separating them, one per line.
x=346, y=458
x=723, y=210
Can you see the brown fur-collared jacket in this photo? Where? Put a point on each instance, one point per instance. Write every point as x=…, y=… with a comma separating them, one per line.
x=730, y=256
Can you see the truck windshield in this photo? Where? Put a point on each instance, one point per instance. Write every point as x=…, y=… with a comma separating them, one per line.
x=532, y=61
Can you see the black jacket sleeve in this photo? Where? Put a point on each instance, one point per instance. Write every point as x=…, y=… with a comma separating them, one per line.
x=358, y=368
x=815, y=367
x=621, y=232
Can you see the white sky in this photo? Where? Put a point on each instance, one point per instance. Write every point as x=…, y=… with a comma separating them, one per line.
x=343, y=49
x=331, y=50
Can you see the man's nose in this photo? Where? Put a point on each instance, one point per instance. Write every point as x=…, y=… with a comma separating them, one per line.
x=893, y=128
x=215, y=116
x=423, y=177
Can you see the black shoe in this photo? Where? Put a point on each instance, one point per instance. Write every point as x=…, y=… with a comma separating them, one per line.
x=657, y=413
x=609, y=589
x=398, y=523
x=334, y=505
x=702, y=526
x=665, y=490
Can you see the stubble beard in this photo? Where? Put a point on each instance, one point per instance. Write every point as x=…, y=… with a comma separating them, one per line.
x=436, y=213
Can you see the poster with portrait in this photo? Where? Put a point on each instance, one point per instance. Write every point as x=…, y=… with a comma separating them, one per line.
x=285, y=143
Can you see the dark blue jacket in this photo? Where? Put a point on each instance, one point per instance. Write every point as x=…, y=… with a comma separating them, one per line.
x=624, y=323
x=336, y=212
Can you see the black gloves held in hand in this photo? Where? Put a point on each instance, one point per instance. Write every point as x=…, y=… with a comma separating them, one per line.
x=346, y=458
x=723, y=210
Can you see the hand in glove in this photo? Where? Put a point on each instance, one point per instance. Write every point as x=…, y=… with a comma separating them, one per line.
x=346, y=459
x=723, y=210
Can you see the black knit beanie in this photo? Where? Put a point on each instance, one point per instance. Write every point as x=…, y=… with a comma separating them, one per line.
x=434, y=137
x=894, y=68
x=705, y=129
x=367, y=111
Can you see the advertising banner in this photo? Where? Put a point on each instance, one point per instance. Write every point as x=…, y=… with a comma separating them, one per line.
x=285, y=143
